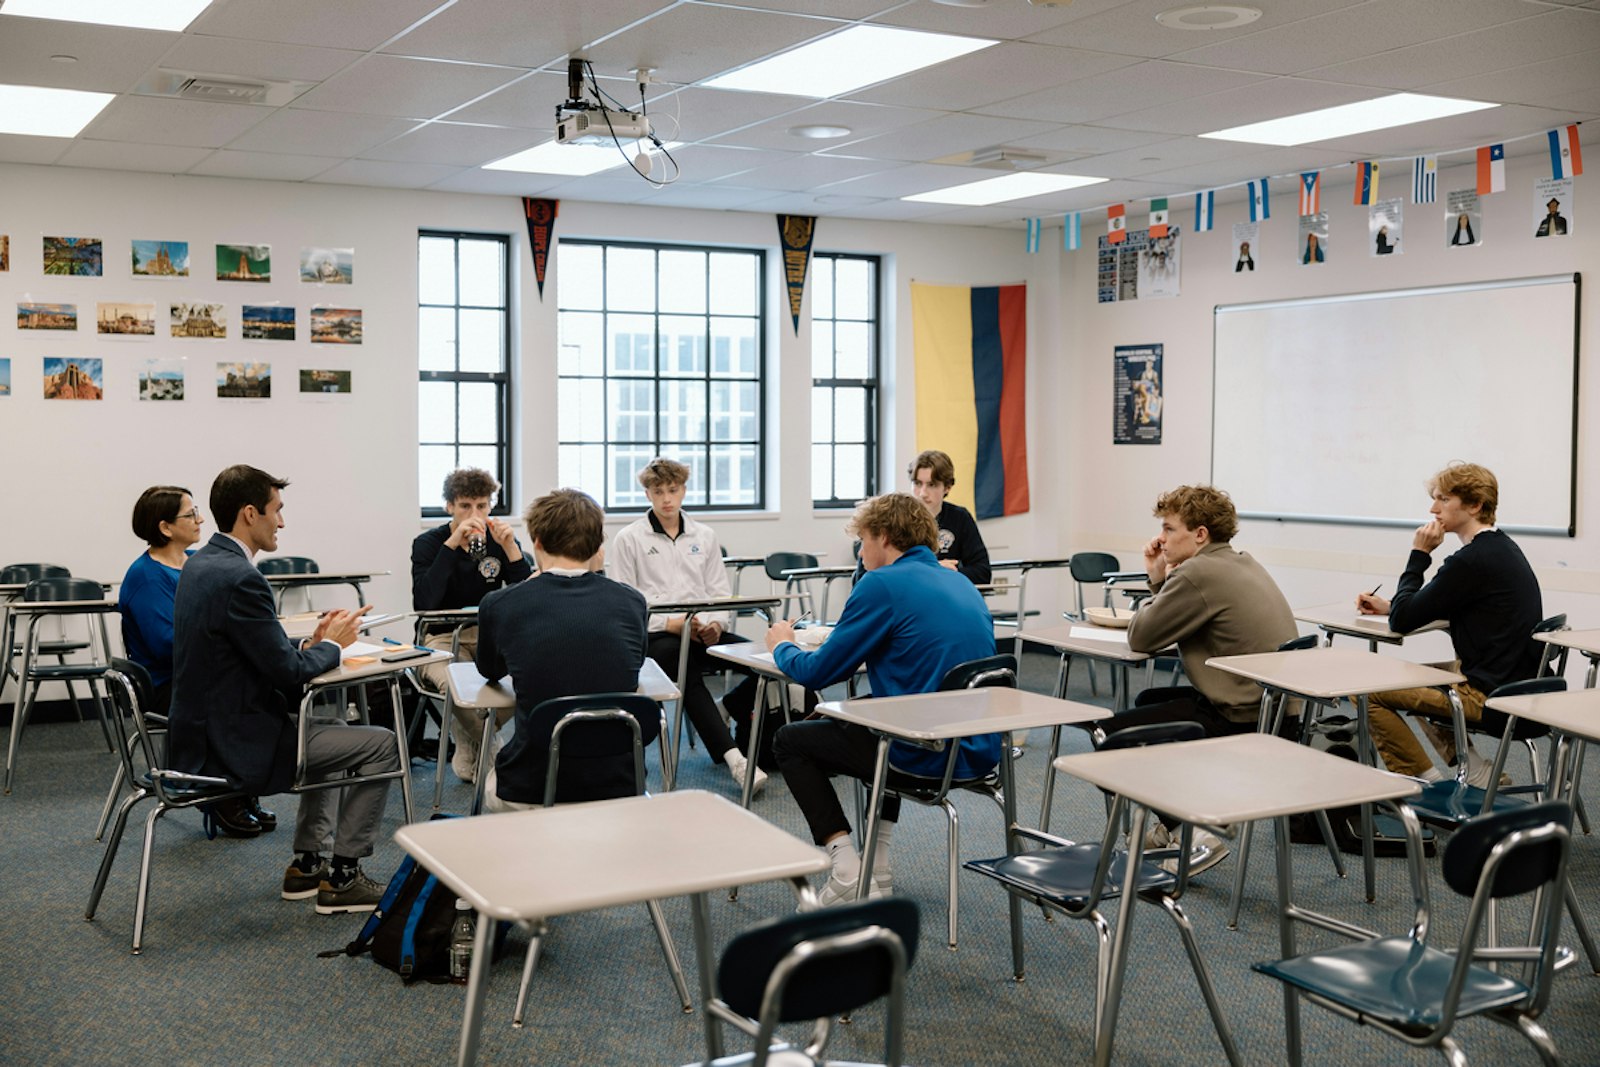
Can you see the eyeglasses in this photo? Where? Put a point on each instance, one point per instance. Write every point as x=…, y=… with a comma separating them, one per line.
x=192, y=513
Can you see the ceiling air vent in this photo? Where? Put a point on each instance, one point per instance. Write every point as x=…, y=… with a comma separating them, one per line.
x=223, y=92
x=219, y=88
x=996, y=158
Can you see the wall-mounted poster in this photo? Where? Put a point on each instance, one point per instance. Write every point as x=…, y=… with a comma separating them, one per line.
x=5, y=377
x=5, y=251
x=1385, y=224
x=1463, y=219
x=1138, y=266
x=73, y=256
x=1313, y=247
x=73, y=379
x=160, y=259
x=325, y=381
x=267, y=322
x=328, y=266
x=161, y=379
x=1159, y=262
x=1246, y=239
x=47, y=316
x=1553, y=207
x=198, y=320
x=125, y=320
x=335, y=326
x=244, y=263
x=247, y=381
x=1137, y=395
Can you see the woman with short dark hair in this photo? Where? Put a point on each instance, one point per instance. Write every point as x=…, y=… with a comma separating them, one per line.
x=167, y=519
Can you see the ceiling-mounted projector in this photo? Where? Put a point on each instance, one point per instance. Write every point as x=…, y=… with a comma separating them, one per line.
x=599, y=125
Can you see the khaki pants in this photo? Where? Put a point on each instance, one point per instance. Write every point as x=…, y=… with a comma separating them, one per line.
x=464, y=729
x=1401, y=750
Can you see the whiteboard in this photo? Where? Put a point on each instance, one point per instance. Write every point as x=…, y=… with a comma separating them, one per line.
x=1339, y=409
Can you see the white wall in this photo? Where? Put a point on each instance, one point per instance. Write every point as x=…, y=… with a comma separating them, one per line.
x=1112, y=487
x=71, y=470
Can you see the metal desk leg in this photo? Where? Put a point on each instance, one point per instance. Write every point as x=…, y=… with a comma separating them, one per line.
x=705, y=962
x=869, y=844
x=1055, y=747
x=1286, y=950
x=402, y=747
x=1106, y=1031
x=670, y=774
x=1364, y=749
x=477, y=986
x=757, y=714
x=23, y=703
x=490, y=721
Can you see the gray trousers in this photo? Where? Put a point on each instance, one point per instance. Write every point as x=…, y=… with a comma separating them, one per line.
x=332, y=747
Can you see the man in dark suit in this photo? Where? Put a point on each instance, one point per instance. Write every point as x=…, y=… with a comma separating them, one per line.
x=237, y=681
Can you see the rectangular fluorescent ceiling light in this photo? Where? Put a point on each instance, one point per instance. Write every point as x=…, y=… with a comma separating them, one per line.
x=1401, y=109
x=134, y=14
x=573, y=160
x=1006, y=187
x=38, y=112
x=841, y=62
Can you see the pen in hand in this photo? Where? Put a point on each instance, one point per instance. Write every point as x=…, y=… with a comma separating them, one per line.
x=1375, y=589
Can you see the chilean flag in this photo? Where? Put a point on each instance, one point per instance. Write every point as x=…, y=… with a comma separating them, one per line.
x=1491, y=169
x=1566, y=160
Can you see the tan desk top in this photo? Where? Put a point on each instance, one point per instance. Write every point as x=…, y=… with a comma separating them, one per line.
x=471, y=692
x=1110, y=644
x=1575, y=712
x=344, y=673
x=576, y=857
x=303, y=625
x=325, y=577
x=1330, y=673
x=61, y=607
x=1223, y=780
x=1585, y=641
x=960, y=713
x=1342, y=618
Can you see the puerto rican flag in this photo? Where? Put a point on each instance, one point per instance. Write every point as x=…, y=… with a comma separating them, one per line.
x=1566, y=160
x=1311, y=193
x=1491, y=169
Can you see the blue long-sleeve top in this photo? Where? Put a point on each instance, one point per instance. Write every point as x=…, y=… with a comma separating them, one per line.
x=145, y=600
x=909, y=622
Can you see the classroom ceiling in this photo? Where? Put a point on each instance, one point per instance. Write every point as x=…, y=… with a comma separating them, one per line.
x=421, y=93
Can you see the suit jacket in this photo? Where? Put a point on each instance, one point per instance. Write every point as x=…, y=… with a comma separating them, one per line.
x=236, y=676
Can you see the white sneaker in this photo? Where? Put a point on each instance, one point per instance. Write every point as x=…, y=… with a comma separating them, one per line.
x=1206, y=850
x=880, y=885
x=837, y=891
x=1158, y=836
x=464, y=761
x=1478, y=770
x=737, y=766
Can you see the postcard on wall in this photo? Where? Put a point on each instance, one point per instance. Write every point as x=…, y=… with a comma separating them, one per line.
x=125, y=320
x=1554, y=208
x=161, y=379
x=47, y=316
x=73, y=256
x=1313, y=247
x=1463, y=219
x=267, y=322
x=160, y=259
x=324, y=384
x=5, y=377
x=5, y=251
x=198, y=320
x=1246, y=239
x=328, y=266
x=244, y=381
x=1385, y=221
x=73, y=379
x=1136, y=385
x=335, y=326
x=244, y=263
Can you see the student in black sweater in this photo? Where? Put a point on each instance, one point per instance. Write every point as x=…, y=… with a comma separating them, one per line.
x=961, y=547
x=567, y=632
x=1489, y=596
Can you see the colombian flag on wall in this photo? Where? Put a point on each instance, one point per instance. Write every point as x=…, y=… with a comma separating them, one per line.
x=971, y=355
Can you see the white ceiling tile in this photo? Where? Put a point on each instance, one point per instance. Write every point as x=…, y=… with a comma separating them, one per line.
x=1000, y=20
x=628, y=190
x=796, y=203
x=1160, y=155
x=518, y=34
x=110, y=59
x=862, y=120
x=261, y=60
x=1206, y=174
x=1248, y=103
x=118, y=155
x=1351, y=32
x=910, y=180
x=409, y=88
x=467, y=145
x=1541, y=84
x=164, y=120
x=272, y=166
x=1089, y=140
x=529, y=102
x=355, y=24
x=808, y=172
x=715, y=197
x=391, y=175
x=1127, y=89
x=707, y=162
x=15, y=148
x=943, y=136
x=850, y=10
x=703, y=114
x=1131, y=29
x=320, y=133
x=499, y=182
x=1000, y=72
x=693, y=42
x=902, y=210
x=1460, y=132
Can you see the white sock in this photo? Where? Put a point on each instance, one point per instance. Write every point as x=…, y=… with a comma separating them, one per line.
x=880, y=851
x=844, y=859
x=1431, y=775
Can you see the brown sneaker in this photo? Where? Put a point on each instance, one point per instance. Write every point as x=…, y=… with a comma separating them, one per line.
x=356, y=892
x=302, y=885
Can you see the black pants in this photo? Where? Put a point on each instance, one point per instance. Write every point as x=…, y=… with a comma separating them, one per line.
x=810, y=753
x=698, y=702
x=1182, y=703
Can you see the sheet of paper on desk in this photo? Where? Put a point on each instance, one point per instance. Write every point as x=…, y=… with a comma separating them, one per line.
x=1100, y=633
x=765, y=657
x=362, y=648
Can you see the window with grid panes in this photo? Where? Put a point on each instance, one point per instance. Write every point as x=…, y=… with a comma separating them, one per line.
x=463, y=367
x=661, y=352
x=844, y=378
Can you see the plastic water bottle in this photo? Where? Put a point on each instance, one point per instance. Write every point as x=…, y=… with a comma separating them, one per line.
x=462, y=934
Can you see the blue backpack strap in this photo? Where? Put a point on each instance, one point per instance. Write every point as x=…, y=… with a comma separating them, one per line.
x=408, y=936
x=369, y=929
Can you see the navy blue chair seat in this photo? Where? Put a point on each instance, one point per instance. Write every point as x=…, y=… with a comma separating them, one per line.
x=1067, y=877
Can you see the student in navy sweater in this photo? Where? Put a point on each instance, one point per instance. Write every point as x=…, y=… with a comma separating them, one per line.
x=166, y=518
x=567, y=632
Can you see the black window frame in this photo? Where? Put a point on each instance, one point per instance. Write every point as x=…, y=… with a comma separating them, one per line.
x=501, y=379
x=872, y=385
x=660, y=446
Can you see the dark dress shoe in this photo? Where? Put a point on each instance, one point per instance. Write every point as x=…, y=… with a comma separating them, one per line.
x=267, y=819
x=232, y=818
